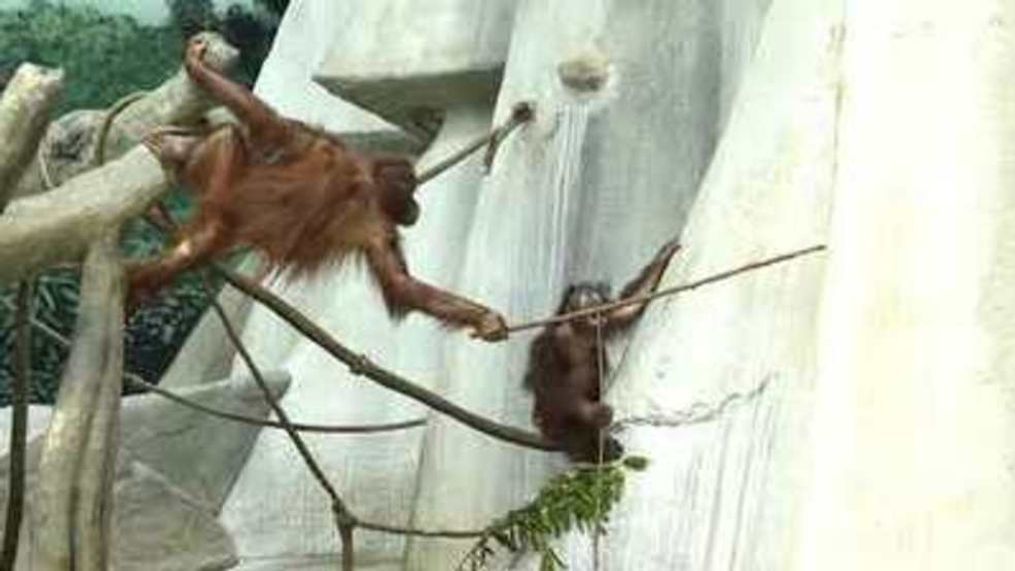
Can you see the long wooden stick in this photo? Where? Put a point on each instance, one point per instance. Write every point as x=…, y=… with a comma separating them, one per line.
x=19, y=428
x=344, y=519
x=590, y=311
x=300, y=427
x=520, y=114
x=360, y=365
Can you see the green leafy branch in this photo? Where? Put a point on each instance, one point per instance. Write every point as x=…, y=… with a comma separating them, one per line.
x=580, y=499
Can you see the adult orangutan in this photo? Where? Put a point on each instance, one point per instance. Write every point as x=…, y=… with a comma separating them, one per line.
x=298, y=195
x=567, y=361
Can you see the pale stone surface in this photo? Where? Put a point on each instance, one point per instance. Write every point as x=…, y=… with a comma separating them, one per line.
x=376, y=473
x=160, y=528
x=156, y=526
x=407, y=64
x=849, y=410
x=302, y=42
x=200, y=454
x=315, y=564
x=38, y=422
x=914, y=411
x=276, y=510
x=208, y=353
x=722, y=493
x=589, y=191
x=164, y=509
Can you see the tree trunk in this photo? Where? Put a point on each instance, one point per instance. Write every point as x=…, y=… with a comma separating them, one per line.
x=73, y=497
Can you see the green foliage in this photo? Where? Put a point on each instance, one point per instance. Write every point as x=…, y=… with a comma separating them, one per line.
x=103, y=56
x=580, y=499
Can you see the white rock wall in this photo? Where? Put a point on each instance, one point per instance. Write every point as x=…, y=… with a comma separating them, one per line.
x=589, y=191
x=914, y=414
x=377, y=473
x=848, y=410
x=721, y=493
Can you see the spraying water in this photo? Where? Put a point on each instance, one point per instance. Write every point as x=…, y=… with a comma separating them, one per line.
x=563, y=177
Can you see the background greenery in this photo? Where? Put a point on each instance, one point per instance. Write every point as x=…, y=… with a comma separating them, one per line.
x=105, y=57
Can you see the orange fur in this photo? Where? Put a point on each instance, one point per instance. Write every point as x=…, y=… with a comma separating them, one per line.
x=299, y=196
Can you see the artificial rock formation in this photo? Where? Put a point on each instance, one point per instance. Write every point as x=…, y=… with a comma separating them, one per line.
x=177, y=468
x=845, y=410
x=716, y=383
x=626, y=122
x=376, y=473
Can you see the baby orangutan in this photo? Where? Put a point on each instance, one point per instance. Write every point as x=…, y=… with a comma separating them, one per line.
x=298, y=195
x=565, y=360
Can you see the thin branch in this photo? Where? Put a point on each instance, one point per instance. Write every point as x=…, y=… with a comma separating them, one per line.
x=345, y=534
x=343, y=517
x=520, y=114
x=107, y=123
x=360, y=365
x=592, y=310
x=397, y=530
x=40, y=325
x=19, y=428
x=321, y=428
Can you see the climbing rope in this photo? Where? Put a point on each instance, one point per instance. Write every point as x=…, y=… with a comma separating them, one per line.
x=600, y=370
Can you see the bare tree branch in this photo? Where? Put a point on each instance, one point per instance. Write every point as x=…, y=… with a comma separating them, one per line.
x=299, y=427
x=24, y=113
x=345, y=521
x=19, y=428
x=361, y=365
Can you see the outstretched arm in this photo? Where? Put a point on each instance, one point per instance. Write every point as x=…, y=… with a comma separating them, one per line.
x=404, y=292
x=644, y=284
x=261, y=120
